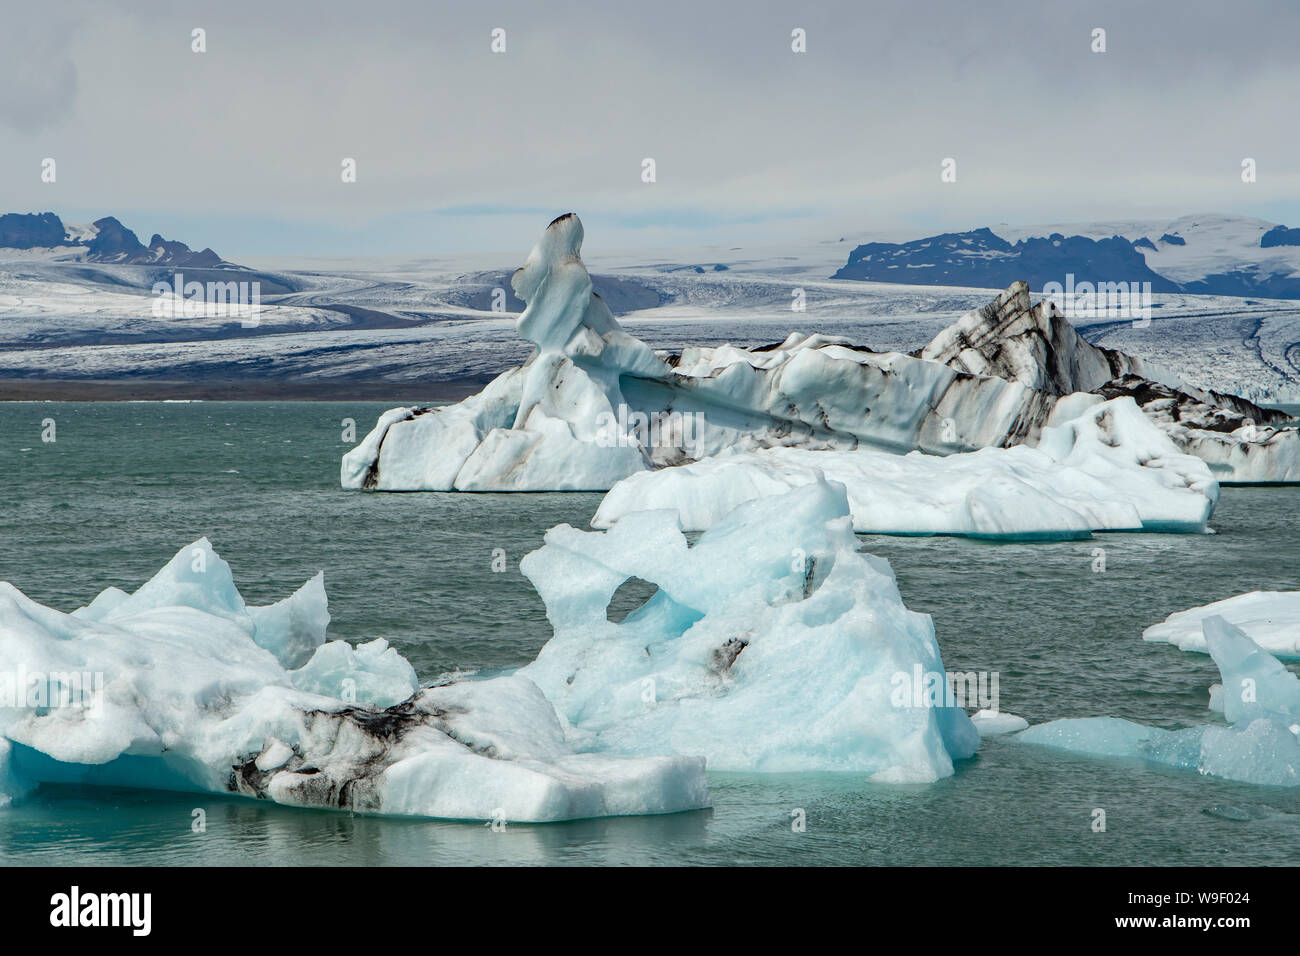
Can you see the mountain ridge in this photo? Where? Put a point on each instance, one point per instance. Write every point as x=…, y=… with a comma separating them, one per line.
x=104, y=240
x=1206, y=254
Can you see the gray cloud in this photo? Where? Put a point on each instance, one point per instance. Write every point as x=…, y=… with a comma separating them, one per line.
x=38, y=79
x=748, y=137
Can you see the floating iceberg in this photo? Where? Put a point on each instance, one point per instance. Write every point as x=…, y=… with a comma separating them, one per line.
x=1109, y=469
x=1038, y=347
x=182, y=686
x=594, y=405
x=1270, y=618
x=992, y=723
x=1259, y=698
x=770, y=644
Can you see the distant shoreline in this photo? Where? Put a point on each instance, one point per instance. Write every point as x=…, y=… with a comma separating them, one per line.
x=57, y=390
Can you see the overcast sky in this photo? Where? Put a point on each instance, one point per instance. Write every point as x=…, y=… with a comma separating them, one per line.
x=461, y=149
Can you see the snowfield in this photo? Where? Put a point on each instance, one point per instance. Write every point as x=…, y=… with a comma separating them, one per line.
x=339, y=320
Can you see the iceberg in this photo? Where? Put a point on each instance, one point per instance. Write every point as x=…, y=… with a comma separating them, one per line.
x=594, y=405
x=1037, y=346
x=1259, y=698
x=182, y=686
x=1109, y=469
x=1271, y=618
x=770, y=645
x=992, y=723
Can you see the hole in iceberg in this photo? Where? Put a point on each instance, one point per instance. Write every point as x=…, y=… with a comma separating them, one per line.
x=631, y=596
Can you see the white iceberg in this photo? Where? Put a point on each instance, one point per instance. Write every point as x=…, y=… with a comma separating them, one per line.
x=594, y=405
x=992, y=723
x=1037, y=346
x=1109, y=469
x=1259, y=698
x=182, y=686
x=771, y=644
x=1270, y=618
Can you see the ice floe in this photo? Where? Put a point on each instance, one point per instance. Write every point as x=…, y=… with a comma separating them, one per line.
x=1037, y=346
x=1270, y=618
x=1109, y=469
x=1259, y=699
x=992, y=723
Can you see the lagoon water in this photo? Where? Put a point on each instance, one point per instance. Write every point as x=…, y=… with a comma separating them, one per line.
x=126, y=485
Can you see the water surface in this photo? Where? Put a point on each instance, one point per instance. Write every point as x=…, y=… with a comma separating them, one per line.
x=126, y=485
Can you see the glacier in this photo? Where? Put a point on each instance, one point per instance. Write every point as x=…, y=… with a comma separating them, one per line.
x=1258, y=698
x=1109, y=469
x=770, y=645
x=594, y=405
x=182, y=686
x=1271, y=618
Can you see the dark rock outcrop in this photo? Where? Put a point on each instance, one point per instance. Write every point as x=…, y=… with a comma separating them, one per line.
x=1280, y=236
x=31, y=231
x=982, y=259
x=112, y=243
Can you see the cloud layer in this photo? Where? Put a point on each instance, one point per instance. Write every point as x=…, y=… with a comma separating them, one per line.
x=458, y=147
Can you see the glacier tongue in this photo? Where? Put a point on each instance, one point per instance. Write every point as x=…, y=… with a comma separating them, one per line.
x=182, y=686
x=771, y=644
x=1109, y=469
x=1259, y=698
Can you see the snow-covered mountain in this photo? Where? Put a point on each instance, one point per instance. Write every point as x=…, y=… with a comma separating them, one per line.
x=104, y=240
x=425, y=328
x=1204, y=254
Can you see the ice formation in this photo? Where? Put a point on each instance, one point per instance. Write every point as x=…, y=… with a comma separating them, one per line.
x=594, y=405
x=992, y=723
x=1109, y=469
x=182, y=686
x=1259, y=698
x=770, y=644
x=1037, y=346
x=1270, y=618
